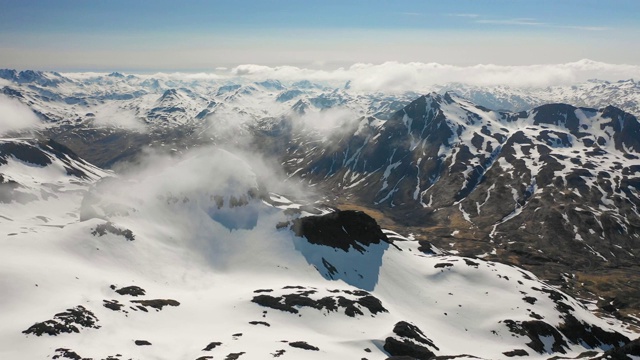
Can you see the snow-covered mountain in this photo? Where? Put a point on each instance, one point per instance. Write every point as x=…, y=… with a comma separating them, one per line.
x=40, y=184
x=160, y=99
x=624, y=94
x=120, y=112
x=441, y=150
x=83, y=97
x=192, y=258
x=504, y=232
x=555, y=184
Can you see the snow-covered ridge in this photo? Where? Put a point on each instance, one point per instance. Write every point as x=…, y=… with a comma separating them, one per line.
x=41, y=185
x=494, y=171
x=624, y=94
x=161, y=102
x=33, y=170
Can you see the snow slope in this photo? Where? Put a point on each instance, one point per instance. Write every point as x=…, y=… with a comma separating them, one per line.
x=191, y=254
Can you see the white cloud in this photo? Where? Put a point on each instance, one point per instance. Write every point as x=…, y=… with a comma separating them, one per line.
x=206, y=170
x=229, y=126
x=534, y=22
x=586, y=28
x=519, y=21
x=417, y=76
x=395, y=76
x=118, y=118
x=330, y=122
x=15, y=116
x=184, y=76
x=472, y=16
x=157, y=181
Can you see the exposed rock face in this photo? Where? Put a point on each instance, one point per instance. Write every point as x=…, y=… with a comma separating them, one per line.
x=340, y=230
x=62, y=353
x=157, y=304
x=234, y=356
x=549, y=339
x=409, y=342
x=108, y=227
x=579, y=332
x=624, y=352
x=351, y=302
x=342, y=245
x=303, y=345
x=69, y=321
x=43, y=153
x=132, y=290
x=538, y=330
x=517, y=352
x=114, y=305
x=212, y=345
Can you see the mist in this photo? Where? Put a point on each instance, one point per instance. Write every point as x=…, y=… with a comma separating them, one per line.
x=15, y=116
x=416, y=76
x=207, y=203
x=118, y=118
x=394, y=77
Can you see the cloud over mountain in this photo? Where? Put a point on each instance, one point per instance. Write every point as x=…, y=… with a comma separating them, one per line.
x=15, y=116
x=396, y=76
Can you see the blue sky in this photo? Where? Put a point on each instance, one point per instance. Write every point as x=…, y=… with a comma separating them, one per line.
x=202, y=35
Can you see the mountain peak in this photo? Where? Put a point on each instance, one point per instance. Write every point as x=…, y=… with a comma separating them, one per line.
x=47, y=79
x=169, y=94
x=271, y=84
x=306, y=84
x=8, y=74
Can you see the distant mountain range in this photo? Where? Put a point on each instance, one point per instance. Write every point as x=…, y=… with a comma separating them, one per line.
x=624, y=94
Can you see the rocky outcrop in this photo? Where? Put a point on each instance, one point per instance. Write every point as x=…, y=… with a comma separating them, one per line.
x=69, y=321
x=340, y=229
x=108, y=227
x=350, y=302
x=409, y=341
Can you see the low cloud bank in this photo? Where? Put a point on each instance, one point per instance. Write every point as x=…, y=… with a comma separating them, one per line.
x=394, y=76
x=15, y=116
x=329, y=123
x=414, y=76
x=119, y=118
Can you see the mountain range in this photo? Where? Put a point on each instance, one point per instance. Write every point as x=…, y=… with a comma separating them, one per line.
x=156, y=217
